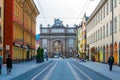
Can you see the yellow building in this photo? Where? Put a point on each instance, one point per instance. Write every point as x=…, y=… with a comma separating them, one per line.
x=1, y=25
x=24, y=33
x=79, y=30
x=82, y=40
x=21, y=43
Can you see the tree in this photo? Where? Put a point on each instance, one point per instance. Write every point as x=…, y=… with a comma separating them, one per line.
x=39, y=56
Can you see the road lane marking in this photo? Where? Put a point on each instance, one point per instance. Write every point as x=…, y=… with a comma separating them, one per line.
x=41, y=72
x=82, y=72
x=50, y=72
x=73, y=71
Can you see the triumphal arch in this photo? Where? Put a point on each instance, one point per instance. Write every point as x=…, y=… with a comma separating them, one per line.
x=58, y=39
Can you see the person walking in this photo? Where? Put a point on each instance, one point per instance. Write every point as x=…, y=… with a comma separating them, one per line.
x=46, y=57
x=9, y=64
x=110, y=62
x=0, y=63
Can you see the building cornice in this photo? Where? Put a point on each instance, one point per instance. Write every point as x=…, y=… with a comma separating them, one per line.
x=33, y=7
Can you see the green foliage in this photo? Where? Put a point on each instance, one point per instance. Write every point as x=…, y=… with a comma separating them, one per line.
x=39, y=56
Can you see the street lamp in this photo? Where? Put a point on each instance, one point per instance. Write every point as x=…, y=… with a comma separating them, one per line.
x=112, y=26
x=87, y=54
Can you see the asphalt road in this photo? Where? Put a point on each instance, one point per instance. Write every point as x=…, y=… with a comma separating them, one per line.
x=61, y=69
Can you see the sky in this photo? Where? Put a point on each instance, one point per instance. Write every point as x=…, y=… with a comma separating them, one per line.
x=69, y=11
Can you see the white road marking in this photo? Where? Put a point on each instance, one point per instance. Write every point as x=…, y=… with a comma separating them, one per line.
x=41, y=72
x=50, y=72
x=82, y=72
x=73, y=71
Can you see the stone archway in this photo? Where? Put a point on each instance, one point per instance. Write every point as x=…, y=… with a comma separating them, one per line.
x=115, y=53
x=57, y=48
x=100, y=49
x=98, y=53
x=103, y=53
x=92, y=53
x=119, y=53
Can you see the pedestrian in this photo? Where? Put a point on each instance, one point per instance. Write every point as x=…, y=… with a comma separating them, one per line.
x=77, y=57
x=110, y=62
x=46, y=57
x=31, y=58
x=0, y=63
x=9, y=64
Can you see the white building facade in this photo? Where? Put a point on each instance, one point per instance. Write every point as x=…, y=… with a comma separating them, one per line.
x=99, y=31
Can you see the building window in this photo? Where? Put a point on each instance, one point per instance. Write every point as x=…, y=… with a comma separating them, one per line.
x=44, y=31
x=44, y=43
x=115, y=3
x=0, y=12
x=57, y=30
x=0, y=34
x=103, y=31
x=70, y=30
x=96, y=19
x=99, y=17
x=119, y=22
x=104, y=11
x=115, y=24
x=107, y=9
x=96, y=36
x=110, y=5
x=107, y=29
x=101, y=14
x=0, y=30
x=110, y=27
x=93, y=37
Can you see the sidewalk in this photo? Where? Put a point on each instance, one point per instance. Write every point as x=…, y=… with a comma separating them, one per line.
x=18, y=69
x=103, y=69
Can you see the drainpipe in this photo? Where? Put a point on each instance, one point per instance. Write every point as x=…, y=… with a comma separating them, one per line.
x=112, y=29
